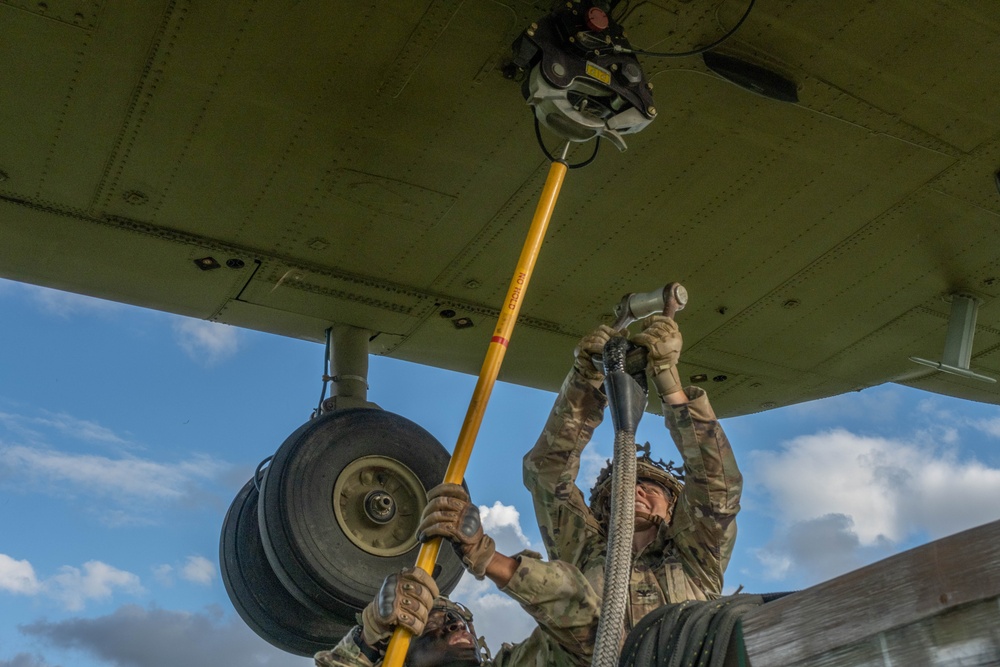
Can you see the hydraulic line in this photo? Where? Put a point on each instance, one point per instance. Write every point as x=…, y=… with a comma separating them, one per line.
x=627, y=391
x=618, y=566
x=626, y=400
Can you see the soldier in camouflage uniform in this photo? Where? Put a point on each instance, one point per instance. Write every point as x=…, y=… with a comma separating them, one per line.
x=684, y=532
x=555, y=594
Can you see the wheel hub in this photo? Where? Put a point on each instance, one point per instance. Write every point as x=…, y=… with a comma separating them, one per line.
x=380, y=506
x=377, y=501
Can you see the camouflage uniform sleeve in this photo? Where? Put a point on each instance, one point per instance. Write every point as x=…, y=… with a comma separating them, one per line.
x=551, y=467
x=562, y=602
x=345, y=654
x=704, y=524
x=537, y=650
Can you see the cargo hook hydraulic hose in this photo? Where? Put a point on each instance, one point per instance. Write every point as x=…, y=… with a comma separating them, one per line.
x=627, y=391
x=626, y=401
x=400, y=643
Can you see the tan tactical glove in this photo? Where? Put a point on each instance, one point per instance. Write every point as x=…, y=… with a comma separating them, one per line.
x=590, y=345
x=451, y=515
x=663, y=340
x=405, y=599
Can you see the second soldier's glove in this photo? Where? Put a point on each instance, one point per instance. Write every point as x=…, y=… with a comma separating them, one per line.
x=405, y=599
x=451, y=515
x=590, y=345
x=663, y=340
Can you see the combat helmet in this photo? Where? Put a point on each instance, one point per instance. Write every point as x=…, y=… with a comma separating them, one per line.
x=664, y=474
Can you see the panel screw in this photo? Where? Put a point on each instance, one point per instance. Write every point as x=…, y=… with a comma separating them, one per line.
x=135, y=198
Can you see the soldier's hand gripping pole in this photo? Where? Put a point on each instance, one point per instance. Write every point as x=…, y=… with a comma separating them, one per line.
x=400, y=643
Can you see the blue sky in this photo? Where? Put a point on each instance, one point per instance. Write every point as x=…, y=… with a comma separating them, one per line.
x=125, y=434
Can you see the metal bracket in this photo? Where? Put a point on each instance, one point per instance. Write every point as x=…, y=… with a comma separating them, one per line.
x=958, y=343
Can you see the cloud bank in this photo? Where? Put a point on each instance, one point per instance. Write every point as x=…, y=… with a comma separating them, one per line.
x=134, y=636
x=71, y=587
x=841, y=500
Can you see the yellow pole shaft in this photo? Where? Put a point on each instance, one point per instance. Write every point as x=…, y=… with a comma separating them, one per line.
x=400, y=643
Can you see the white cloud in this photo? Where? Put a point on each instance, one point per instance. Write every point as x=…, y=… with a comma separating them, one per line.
x=164, y=574
x=843, y=499
x=199, y=570
x=776, y=563
x=120, y=518
x=96, y=581
x=888, y=488
x=18, y=576
x=503, y=524
x=79, y=428
x=34, y=429
x=72, y=586
x=206, y=342
x=67, y=304
x=126, y=478
x=989, y=426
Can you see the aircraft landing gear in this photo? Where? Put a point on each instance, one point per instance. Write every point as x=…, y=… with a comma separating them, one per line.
x=307, y=543
x=257, y=594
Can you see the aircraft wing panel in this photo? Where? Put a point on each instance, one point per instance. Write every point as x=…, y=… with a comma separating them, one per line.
x=367, y=163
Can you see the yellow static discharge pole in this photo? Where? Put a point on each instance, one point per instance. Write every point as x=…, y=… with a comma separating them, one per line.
x=400, y=643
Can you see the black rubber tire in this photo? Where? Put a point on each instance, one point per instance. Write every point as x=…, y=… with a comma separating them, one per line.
x=305, y=544
x=259, y=598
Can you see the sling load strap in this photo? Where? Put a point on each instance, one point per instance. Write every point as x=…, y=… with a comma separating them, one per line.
x=401, y=636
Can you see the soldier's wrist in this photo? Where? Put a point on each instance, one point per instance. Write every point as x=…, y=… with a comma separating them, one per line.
x=584, y=367
x=478, y=556
x=373, y=653
x=667, y=381
x=372, y=631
